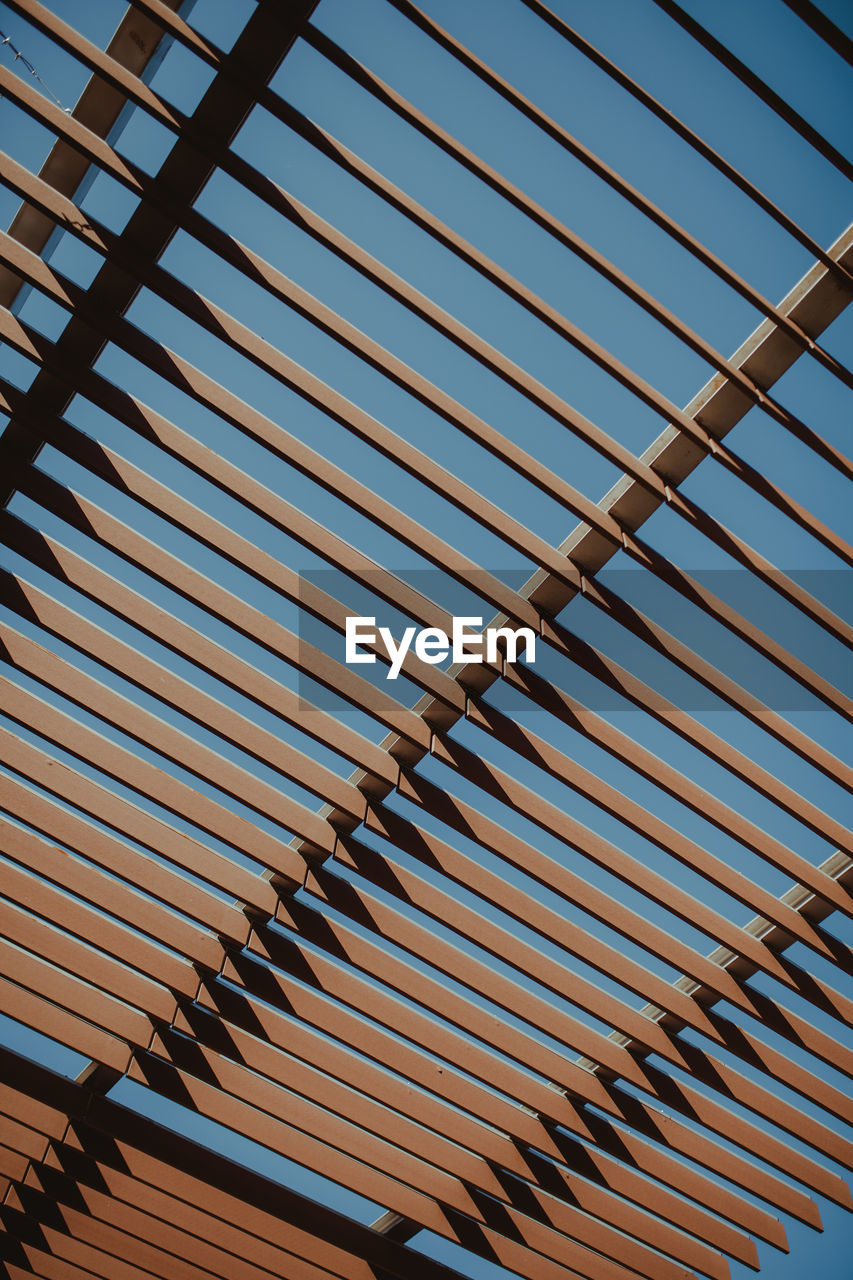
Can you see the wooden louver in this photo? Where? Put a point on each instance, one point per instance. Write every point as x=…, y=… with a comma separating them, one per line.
x=564, y=994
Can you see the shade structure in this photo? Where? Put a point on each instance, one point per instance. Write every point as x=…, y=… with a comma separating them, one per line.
x=323, y=311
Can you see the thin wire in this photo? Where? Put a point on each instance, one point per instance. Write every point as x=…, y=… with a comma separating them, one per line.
x=19, y=57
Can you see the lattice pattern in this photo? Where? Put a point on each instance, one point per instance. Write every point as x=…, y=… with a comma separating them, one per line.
x=495, y=986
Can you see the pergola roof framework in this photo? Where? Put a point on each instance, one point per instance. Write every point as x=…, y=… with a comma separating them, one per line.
x=197, y=1020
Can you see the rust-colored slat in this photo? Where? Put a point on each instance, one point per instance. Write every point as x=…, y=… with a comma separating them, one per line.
x=83, y=140
x=302, y=1065
x=414, y=891
x=183, y=696
x=53, y=557
x=91, y=967
x=796, y=595
x=71, y=296
x=729, y=542
x=634, y=815
x=762, y=90
x=516, y=609
x=120, y=655
x=285, y=290
x=435, y=853
x=471, y=822
x=323, y=1104
x=98, y=61
x=418, y=120
x=150, y=102
x=520, y=1123
x=272, y=1129
x=255, y=268
x=36, y=1113
x=564, y=824
x=763, y=568
x=795, y=866
x=112, y=855
x=92, y=798
x=191, y=1174
x=838, y=833
x=753, y=392
x=60, y=1024
x=48, y=1267
x=13, y=1165
x=27, y=656
x=408, y=599
x=79, y=1242
x=493, y=1145
x=76, y=996
x=331, y=1243
x=420, y=942
x=118, y=1232
x=155, y=965
x=776, y=853
x=673, y=123
x=234, y=1246
x=651, y=767
x=19, y=1137
x=546, y=1102
x=840, y=867
x=242, y=259
x=107, y=894
x=150, y=1238
x=94, y=522
x=576, y=149
x=109, y=69
x=693, y=590
x=742, y=831
x=143, y=1137
x=470, y=874
x=291, y=1128
x=181, y=30
x=798, y=606
x=416, y=985
x=256, y=1053
x=92, y=703
x=661, y=640
x=127, y=82
x=117, y=762
x=364, y=427
x=291, y=207
x=263, y=42
x=278, y=1119
x=637, y=693
x=93, y=641
x=135, y=45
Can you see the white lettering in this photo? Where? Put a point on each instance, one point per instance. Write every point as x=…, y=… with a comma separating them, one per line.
x=462, y=636
x=354, y=638
x=511, y=638
x=396, y=652
x=432, y=645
